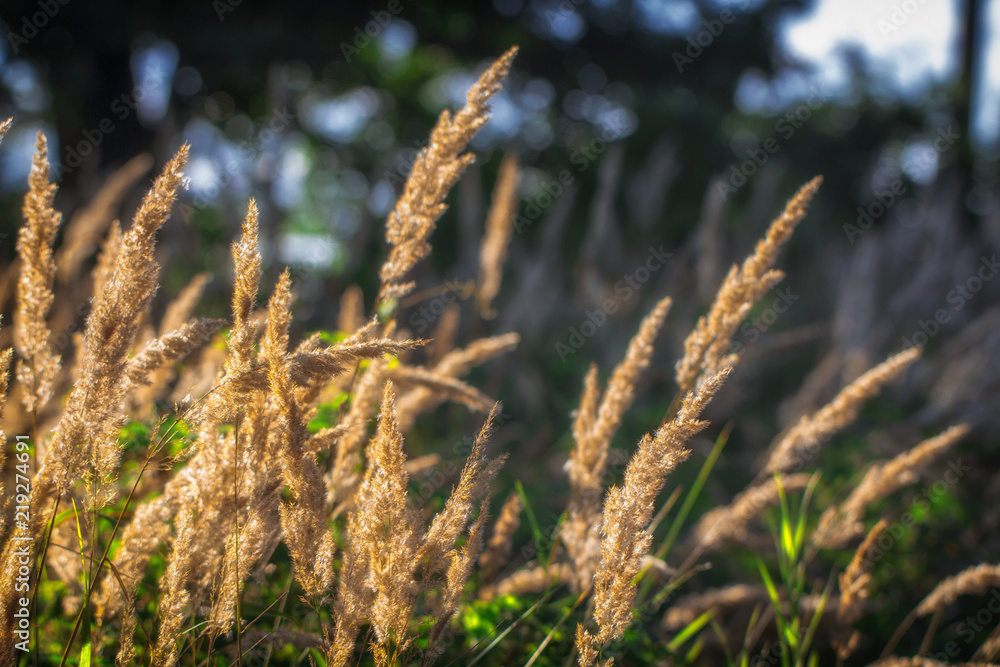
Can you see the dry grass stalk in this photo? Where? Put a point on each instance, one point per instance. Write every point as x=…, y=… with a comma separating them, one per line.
x=5, y=357
x=243, y=550
x=385, y=537
x=593, y=429
x=445, y=333
x=304, y=517
x=461, y=562
x=343, y=477
x=181, y=308
x=841, y=523
x=499, y=228
x=455, y=364
x=685, y=610
x=925, y=662
x=352, y=310
x=855, y=583
x=175, y=595
x=973, y=581
x=110, y=331
x=89, y=224
x=530, y=581
x=496, y=555
x=989, y=649
x=802, y=441
x=729, y=522
x=37, y=366
x=436, y=169
x=472, y=486
x=85, y=431
x=106, y=257
x=629, y=508
x=169, y=348
x=706, y=347
x=126, y=650
x=441, y=385
x=246, y=274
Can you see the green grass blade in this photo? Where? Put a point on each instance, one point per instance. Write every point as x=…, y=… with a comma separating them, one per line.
x=694, y=491
x=693, y=628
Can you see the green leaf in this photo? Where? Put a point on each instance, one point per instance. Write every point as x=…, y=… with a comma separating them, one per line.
x=772, y=592
x=692, y=629
x=85, y=655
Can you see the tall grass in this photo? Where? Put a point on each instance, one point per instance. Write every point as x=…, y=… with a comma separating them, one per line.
x=267, y=519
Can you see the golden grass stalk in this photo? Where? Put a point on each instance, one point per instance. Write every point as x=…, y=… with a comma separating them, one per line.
x=917, y=661
x=855, y=584
x=706, y=347
x=246, y=274
x=593, y=429
x=629, y=508
x=106, y=258
x=461, y=562
x=498, y=549
x=455, y=364
x=530, y=581
x=244, y=549
x=175, y=597
x=169, y=348
x=343, y=477
x=729, y=522
x=352, y=310
x=303, y=518
x=441, y=385
x=174, y=318
x=686, y=609
x=841, y=523
x=472, y=487
x=110, y=330
x=126, y=648
x=94, y=404
x=436, y=169
x=445, y=333
x=377, y=577
x=973, y=581
x=5, y=357
x=89, y=224
x=989, y=649
x=499, y=228
x=182, y=306
x=805, y=438
x=37, y=366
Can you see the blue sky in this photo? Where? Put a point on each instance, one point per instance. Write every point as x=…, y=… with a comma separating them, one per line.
x=912, y=43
